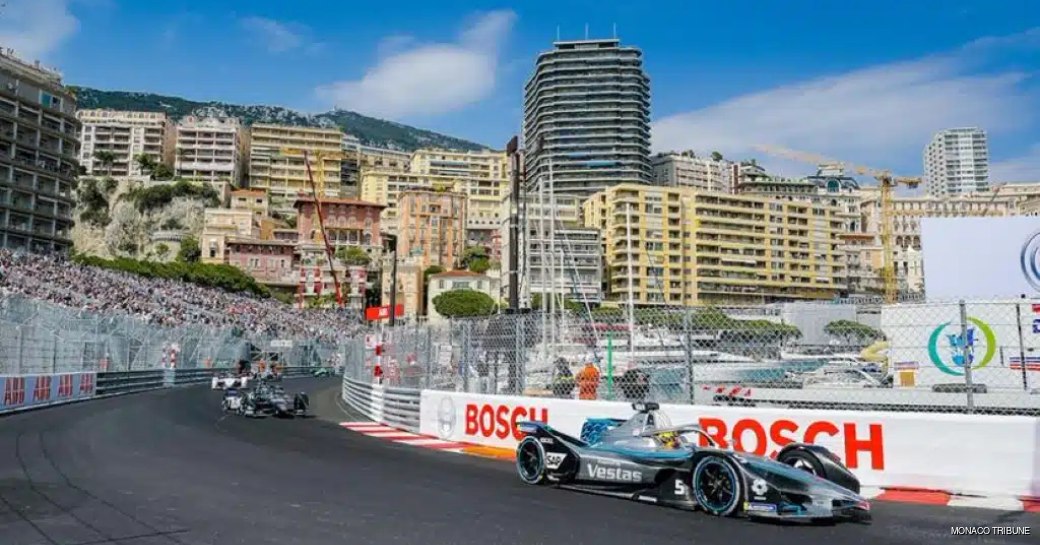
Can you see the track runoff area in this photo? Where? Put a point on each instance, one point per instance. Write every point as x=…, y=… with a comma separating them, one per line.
x=169, y=467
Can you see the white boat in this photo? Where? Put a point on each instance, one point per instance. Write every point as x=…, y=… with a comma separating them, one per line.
x=839, y=376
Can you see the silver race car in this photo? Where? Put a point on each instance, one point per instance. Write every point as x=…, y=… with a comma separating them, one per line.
x=646, y=458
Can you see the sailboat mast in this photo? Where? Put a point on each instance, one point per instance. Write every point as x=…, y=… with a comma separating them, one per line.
x=631, y=295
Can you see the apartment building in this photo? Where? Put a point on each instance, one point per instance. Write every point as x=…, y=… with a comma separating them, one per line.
x=679, y=246
x=254, y=200
x=483, y=198
x=210, y=150
x=358, y=157
x=906, y=222
x=431, y=227
x=956, y=162
x=126, y=136
x=485, y=179
x=39, y=147
x=555, y=241
x=347, y=222
x=276, y=162
x=219, y=225
x=685, y=169
x=587, y=117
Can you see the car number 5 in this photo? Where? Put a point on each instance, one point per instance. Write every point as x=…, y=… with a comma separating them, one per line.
x=680, y=488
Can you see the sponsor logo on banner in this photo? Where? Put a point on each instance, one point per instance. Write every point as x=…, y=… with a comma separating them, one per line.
x=1029, y=260
x=949, y=356
x=65, y=386
x=499, y=420
x=446, y=418
x=42, y=392
x=862, y=447
x=14, y=391
x=86, y=384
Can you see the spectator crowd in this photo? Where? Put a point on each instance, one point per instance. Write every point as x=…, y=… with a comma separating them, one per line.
x=56, y=280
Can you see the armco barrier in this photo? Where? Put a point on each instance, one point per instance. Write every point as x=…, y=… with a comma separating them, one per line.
x=974, y=455
x=28, y=391
x=397, y=407
x=31, y=391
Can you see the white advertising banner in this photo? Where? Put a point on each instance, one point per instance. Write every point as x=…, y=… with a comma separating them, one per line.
x=981, y=258
x=990, y=455
x=927, y=337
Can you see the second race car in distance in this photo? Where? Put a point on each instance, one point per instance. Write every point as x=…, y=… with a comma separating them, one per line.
x=646, y=458
x=229, y=380
x=271, y=399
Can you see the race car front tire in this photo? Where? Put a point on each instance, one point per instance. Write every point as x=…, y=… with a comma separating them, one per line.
x=530, y=461
x=717, y=486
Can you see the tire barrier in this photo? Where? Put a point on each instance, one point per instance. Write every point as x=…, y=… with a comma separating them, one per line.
x=396, y=407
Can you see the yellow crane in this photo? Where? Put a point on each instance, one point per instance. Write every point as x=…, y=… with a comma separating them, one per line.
x=886, y=186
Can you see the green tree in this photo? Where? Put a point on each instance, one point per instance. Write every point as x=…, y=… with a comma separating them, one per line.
x=162, y=171
x=463, y=304
x=353, y=256
x=479, y=265
x=106, y=159
x=146, y=163
x=716, y=156
x=190, y=251
x=473, y=253
x=161, y=250
x=852, y=332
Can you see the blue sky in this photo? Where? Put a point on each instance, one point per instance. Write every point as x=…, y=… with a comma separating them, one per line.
x=867, y=82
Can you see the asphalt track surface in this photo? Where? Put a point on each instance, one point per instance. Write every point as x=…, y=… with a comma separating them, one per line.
x=167, y=467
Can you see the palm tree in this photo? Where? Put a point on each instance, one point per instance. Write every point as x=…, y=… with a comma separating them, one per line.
x=146, y=163
x=107, y=159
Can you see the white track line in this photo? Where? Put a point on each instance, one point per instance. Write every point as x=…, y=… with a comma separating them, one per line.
x=429, y=443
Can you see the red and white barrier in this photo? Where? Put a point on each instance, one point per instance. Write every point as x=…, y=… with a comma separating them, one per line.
x=982, y=455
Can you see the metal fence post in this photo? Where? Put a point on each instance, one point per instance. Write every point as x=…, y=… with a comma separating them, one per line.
x=465, y=356
x=967, y=357
x=21, y=350
x=688, y=348
x=1021, y=346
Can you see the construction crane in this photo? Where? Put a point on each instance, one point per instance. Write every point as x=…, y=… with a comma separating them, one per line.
x=318, y=190
x=886, y=186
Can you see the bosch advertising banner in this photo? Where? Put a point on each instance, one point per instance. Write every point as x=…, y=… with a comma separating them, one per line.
x=30, y=390
x=934, y=451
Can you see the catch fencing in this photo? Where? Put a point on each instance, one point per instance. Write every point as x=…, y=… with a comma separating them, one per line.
x=41, y=338
x=975, y=357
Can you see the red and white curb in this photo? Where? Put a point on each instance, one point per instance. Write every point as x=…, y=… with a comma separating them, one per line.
x=380, y=431
x=898, y=495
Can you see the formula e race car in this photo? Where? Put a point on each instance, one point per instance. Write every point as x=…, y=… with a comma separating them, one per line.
x=270, y=399
x=232, y=401
x=645, y=458
x=229, y=381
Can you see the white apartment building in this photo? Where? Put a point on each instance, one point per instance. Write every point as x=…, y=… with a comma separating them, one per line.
x=485, y=164
x=687, y=170
x=956, y=162
x=126, y=135
x=210, y=150
x=558, y=255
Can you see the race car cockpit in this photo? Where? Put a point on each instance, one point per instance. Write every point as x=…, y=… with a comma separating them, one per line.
x=649, y=429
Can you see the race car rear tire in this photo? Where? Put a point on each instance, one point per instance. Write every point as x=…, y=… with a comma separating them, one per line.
x=530, y=461
x=717, y=486
x=806, y=461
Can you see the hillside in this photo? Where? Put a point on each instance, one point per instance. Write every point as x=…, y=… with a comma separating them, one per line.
x=371, y=131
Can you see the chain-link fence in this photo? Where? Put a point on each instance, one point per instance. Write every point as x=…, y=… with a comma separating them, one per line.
x=37, y=337
x=905, y=357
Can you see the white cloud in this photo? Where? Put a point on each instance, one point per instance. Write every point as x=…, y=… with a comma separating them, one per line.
x=427, y=79
x=276, y=36
x=36, y=28
x=882, y=116
x=1024, y=168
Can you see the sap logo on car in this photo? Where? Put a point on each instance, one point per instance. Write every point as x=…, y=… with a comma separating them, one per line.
x=761, y=507
x=613, y=473
x=544, y=440
x=553, y=460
